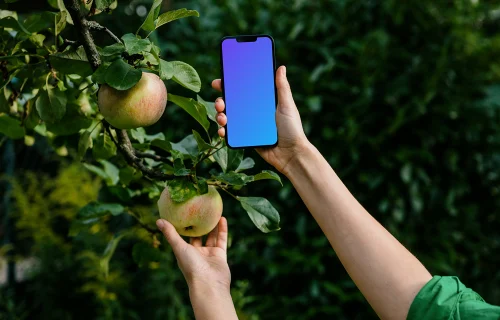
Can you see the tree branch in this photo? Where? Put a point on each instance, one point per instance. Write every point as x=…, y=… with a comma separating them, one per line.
x=80, y=22
x=93, y=25
x=83, y=27
x=128, y=152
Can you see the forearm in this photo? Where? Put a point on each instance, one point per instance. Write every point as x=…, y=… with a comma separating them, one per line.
x=211, y=302
x=387, y=274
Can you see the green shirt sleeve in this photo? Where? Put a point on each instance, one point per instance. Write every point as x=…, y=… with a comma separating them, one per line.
x=446, y=298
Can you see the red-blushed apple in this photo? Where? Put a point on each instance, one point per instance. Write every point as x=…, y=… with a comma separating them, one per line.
x=194, y=217
x=140, y=106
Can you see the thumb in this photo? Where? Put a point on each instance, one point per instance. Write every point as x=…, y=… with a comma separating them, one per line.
x=285, y=98
x=172, y=236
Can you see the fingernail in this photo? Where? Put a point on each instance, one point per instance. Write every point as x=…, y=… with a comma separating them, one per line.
x=160, y=224
x=284, y=70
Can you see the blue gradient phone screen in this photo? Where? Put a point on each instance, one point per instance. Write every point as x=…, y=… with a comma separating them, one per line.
x=249, y=92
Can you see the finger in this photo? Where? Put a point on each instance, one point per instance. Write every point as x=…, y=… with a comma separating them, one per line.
x=222, y=236
x=212, y=237
x=220, y=105
x=222, y=132
x=285, y=98
x=217, y=85
x=221, y=119
x=173, y=238
x=195, y=241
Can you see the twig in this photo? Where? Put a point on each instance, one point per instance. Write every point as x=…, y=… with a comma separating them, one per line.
x=232, y=195
x=208, y=154
x=80, y=22
x=150, y=156
x=66, y=43
x=93, y=25
x=128, y=152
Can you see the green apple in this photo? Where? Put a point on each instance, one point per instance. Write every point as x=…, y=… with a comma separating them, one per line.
x=194, y=217
x=140, y=106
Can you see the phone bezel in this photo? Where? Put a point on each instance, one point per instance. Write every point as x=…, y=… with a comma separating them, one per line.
x=240, y=38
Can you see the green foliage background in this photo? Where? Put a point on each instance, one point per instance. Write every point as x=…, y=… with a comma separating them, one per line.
x=402, y=98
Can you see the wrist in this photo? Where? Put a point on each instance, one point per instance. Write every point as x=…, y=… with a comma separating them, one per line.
x=304, y=151
x=208, y=287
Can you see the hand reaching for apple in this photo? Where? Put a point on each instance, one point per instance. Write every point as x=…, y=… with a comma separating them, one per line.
x=201, y=265
x=291, y=138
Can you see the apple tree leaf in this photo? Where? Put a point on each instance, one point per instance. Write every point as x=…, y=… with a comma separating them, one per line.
x=261, y=212
x=181, y=190
x=122, y=76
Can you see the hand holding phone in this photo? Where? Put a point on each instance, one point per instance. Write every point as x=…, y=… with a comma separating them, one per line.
x=291, y=138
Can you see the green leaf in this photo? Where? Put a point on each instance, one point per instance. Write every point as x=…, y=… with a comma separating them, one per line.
x=166, y=70
x=103, y=4
x=185, y=75
x=140, y=135
x=37, y=39
x=104, y=147
x=134, y=45
x=11, y=127
x=268, y=175
x=129, y=174
x=99, y=75
x=221, y=158
x=209, y=107
x=149, y=24
x=228, y=159
x=143, y=254
x=109, y=172
x=179, y=168
x=39, y=21
x=234, y=178
x=97, y=210
x=51, y=104
x=32, y=120
x=73, y=61
x=84, y=143
x=234, y=157
x=202, y=185
x=72, y=121
x=112, y=52
x=187, y=146
x=162, y=144
x=247, y=163
x=194, y=108
x=261, y=212
x=4, y=104
x=181, y=190
x=202, y=145
x=4, y=82
x=122, y=76
x=108, y=253
x=174, y=15
x=60, y=22
x=11, y=22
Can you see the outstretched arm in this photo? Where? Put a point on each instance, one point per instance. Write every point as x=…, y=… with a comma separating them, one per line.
x=387, y=274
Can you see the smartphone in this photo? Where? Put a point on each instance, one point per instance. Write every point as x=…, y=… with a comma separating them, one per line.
x=248, y=74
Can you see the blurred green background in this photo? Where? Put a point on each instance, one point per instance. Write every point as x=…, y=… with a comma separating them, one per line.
x=401, y=97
